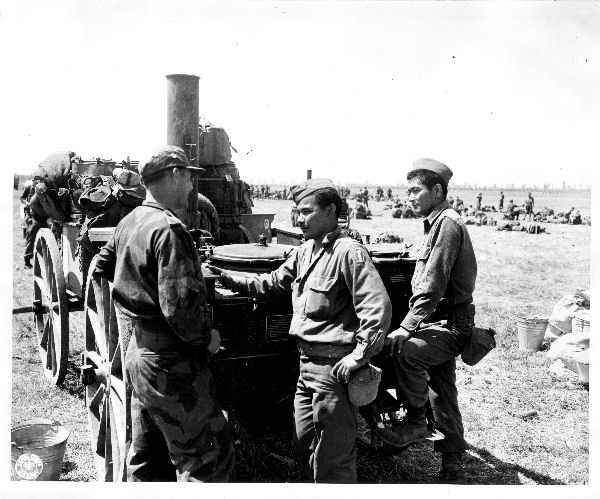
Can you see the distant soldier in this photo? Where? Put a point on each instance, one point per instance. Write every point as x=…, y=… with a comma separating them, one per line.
x=568, y=213
x=178, y=429
x=529, y=207
x=501, y=202
x=510, y=210
x=284, y=193
x=451, y=201
x=575, y=218
x=389, y=193
x=365, y=196
x=262, y=191
x=479, y=198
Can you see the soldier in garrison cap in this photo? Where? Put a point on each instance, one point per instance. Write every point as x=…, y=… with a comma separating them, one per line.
x=178, y=429
x=341, y=315
x=438, y=323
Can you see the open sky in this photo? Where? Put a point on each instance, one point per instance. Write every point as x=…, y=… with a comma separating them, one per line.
x=504, y=93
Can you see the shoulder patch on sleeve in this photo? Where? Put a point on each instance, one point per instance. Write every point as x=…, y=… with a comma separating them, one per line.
x=360, y=255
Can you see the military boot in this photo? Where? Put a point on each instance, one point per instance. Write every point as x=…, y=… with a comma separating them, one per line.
x=452, y=469
x=410, y=430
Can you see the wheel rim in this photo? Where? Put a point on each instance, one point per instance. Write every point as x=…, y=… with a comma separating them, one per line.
x=51, y=314
x=106, y=395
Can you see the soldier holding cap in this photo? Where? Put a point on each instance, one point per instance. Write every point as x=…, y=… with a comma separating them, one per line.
x=439, y=321
x=178, y=429
x=341, y=315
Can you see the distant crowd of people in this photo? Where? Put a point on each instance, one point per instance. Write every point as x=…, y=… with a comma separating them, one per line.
x=401, y=209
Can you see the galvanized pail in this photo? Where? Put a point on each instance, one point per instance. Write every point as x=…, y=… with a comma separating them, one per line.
x=531, y=332
x=37, y=449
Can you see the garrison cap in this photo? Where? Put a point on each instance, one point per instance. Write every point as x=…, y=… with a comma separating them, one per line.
x=434, y=166
x=364, y=384
x=163, y=158
x=299, y=192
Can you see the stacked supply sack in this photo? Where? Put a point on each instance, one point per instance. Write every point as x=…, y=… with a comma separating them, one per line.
x=560, y=321
x=569, y=331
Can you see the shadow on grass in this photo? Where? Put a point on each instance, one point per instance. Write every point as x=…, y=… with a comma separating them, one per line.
x=72, y=384
x=483, y=468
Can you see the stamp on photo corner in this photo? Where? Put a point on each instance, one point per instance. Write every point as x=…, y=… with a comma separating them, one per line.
x=29, y=466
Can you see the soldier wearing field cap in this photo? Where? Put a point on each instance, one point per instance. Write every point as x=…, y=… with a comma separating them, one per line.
x=439, y=321
x=178, y=429
x=341, y=315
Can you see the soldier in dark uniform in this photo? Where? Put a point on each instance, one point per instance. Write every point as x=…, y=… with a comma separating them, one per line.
x=35, y=219
x=501, y=202
x=479, y=198
x=178, y=429
x=439, y=322
x=529, y=207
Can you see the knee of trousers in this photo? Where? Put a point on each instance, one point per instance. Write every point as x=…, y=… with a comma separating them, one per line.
x=410, y=356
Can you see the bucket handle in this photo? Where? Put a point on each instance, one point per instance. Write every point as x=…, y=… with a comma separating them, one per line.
x=54, y=425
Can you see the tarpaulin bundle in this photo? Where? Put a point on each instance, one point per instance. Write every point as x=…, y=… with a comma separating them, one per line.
x=54, y=170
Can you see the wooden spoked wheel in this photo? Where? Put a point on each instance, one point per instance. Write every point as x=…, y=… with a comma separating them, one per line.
x=50, y=307
x=107, y=396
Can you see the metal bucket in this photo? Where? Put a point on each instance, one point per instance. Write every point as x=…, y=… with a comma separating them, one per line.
x=531, y=332
x=37, y=449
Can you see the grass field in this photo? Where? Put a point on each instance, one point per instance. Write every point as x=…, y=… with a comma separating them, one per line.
x=518, y=274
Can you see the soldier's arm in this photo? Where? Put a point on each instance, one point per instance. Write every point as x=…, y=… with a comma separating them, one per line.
x=432, y=284
x=278, y=282
x=372, y=304
x=181, y=289
x=106, y=261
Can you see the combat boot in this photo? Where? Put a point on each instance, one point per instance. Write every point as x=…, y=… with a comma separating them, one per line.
x=410, y=430
x=452, y=469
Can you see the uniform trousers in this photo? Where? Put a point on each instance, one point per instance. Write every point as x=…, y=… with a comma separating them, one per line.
x=178, y=429
x=325, y=424
x=431, y=353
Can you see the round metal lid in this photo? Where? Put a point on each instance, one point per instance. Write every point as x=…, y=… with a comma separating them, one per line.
x=245, y=253
x=386, y=250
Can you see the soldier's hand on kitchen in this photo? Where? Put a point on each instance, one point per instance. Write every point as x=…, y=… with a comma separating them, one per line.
x=345, y=366
x=394, y=340
x=215, y=342
x=224, y=279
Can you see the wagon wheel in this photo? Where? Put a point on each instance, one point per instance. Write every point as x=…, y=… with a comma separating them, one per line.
x=107, y=396
x=50, y=307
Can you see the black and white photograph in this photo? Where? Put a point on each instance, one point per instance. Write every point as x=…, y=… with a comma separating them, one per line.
x=270, y=243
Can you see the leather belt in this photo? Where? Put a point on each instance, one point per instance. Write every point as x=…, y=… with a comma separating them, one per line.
x=324, y=349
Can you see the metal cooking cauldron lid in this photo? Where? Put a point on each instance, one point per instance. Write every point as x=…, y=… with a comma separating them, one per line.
x=252, y=252
x=387, y=250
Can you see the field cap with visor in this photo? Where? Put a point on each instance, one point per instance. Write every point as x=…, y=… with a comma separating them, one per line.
x=164, y=158
x=299, y=192
x=364, y=384
x=434, y=166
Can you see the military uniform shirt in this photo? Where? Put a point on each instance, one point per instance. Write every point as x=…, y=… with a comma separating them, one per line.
x=445, y=267
x=157, y=275
x=338, y=298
